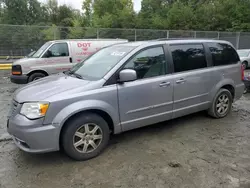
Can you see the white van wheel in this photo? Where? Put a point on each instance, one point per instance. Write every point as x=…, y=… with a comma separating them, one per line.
x=36, y=76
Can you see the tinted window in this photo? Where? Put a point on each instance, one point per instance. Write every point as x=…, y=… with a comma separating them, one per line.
x=58, y=50
x=148, y=63
x=188, y=57
x=223, y=54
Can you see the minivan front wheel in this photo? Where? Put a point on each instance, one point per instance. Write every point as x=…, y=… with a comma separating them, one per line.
x=85, y=136
x=222, y=104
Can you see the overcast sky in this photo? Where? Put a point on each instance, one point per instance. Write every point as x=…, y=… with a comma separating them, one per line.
x=77, y=4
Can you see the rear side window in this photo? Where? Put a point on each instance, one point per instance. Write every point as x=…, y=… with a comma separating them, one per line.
x=188, y=57
x=223, y=54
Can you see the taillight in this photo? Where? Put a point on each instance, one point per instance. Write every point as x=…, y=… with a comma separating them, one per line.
x=16, y=70
x=242, y=72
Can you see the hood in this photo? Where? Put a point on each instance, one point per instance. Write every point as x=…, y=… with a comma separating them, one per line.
x=41, y=89
x=244, y=58
x=25, y=60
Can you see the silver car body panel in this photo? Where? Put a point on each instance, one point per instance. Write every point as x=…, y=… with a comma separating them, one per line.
x=129, y=105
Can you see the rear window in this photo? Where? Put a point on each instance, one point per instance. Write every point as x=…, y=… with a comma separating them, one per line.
x=223, y=54
x=188, y=57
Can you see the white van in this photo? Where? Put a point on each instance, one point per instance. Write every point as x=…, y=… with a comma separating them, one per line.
x=56, y=56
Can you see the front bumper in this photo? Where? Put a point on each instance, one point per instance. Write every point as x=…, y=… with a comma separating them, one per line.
x=33, y=137
x=19, y=79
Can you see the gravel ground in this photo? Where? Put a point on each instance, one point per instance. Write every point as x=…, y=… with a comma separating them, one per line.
x=189, y=152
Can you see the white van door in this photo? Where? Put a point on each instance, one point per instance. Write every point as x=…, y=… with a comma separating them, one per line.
x=57, y=58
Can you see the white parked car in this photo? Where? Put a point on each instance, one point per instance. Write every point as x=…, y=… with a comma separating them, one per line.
x=56, y=56
x=244, y=57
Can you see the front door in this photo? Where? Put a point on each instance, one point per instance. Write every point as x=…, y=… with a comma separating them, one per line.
x=149, y=99
x=192, y=79
x=57, y=58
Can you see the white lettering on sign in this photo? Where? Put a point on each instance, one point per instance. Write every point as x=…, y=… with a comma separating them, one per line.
x=118, y=53
x=80, y=45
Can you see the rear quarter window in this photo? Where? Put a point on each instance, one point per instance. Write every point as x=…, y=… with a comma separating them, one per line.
x=188, y=57
x=223, y=54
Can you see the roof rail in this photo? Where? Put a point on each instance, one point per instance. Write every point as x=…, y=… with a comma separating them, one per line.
x=163, y=39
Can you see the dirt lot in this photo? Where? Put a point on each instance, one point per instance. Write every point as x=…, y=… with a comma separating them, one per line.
x=189, y=152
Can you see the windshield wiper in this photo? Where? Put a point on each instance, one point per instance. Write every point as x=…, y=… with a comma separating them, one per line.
x=77, y=75
x=73, y=73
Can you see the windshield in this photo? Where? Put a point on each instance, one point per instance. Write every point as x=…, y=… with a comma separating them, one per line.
x=31, y=54
x=41, y=50
x=243, y=53
x=100, y=63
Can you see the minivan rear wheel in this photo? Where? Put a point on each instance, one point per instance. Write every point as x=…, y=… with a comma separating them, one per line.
x=222, y=104
x=85, y=136
x=36, y=76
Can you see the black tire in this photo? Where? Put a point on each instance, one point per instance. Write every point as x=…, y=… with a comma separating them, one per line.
x=213, y=111
x=36, y=76
x=68, y=136
x=245, y=65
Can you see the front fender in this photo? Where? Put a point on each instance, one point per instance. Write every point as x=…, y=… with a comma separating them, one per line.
x=80, y=106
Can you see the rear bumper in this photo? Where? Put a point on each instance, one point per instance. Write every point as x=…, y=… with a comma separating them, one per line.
x=19, y=79
x=31, y=136
x=239, y=90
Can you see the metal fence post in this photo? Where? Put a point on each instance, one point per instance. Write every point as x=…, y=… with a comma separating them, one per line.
x=167, y=34
x=218, y=35
x=135, y=35
x=237, y=40
x=194, y=34
x=97, y=33
x=54, y=31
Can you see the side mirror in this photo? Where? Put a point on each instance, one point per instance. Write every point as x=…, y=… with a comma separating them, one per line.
x=127, y=75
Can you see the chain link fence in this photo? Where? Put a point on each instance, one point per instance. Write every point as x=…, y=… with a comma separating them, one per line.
x=18, y=40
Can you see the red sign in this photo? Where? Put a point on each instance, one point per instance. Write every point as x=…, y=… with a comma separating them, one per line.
x=85, y=53
x=86, y=45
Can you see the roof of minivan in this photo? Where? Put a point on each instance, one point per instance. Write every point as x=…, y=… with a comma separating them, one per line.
x=170, y=41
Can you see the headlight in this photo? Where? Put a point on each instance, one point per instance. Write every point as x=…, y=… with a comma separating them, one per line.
x=34, y=110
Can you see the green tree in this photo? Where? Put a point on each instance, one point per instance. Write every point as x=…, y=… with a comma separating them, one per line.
x=114, y=14
x=23, y=12
x=87, y=7
x=181, y=16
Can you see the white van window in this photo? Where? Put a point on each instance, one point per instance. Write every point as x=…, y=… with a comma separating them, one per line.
x=57, y=50
x=41, y=50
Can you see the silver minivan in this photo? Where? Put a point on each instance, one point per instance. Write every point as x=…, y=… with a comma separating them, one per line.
x=123, y=87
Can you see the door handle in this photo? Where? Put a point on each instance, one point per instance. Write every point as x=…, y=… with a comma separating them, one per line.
x=165, y=84
x=70, y=59
x=180, y=81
